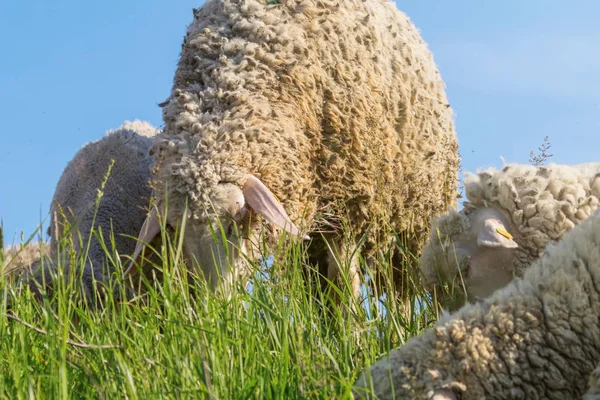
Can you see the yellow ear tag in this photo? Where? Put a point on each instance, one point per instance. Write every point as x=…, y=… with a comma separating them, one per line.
x=504, y=233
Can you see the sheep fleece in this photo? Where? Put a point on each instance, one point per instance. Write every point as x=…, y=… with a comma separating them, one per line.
x=122, y=208
x=337, y=106
x=539, y=337
x=543, y=202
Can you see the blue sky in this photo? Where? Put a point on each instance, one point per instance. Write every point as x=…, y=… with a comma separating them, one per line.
x=515, y=71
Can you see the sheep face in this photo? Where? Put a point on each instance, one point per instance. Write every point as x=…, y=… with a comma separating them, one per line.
x=218, y=239
x=216, y=242
x=472, y=253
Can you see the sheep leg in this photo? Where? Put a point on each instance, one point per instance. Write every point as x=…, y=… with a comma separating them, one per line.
x=343, y=268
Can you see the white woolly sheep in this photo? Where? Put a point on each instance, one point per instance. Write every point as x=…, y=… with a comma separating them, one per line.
x=511, y=216
x=122, y=207
x=303, y=112
x=536, y=338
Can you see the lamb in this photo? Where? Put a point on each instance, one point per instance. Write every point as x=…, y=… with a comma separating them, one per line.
x=538, y=337
x=121, y=210
x=512, y=215
x=309, y=114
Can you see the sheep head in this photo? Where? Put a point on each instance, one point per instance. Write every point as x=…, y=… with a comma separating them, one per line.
x=218, y=242
x=477, y=247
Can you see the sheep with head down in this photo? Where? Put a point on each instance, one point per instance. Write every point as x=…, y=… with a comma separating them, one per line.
x=510, y=218
x=305, y=113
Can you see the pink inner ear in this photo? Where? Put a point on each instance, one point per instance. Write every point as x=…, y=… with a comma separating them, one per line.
x=263, y=201
x=150, y=229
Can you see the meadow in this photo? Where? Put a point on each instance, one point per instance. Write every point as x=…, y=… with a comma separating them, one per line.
x=278, y=338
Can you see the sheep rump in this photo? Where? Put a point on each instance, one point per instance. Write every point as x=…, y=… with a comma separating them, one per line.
x=336, y=106
x=536, y=205
x=538, y=337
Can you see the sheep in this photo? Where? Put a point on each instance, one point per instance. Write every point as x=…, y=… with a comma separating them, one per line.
x=538, y=337
x=512, y=215
x=121, y=209
x=308, y=114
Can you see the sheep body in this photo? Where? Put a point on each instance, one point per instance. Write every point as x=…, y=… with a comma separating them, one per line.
x=536, y=205
x=336, y=106
x=538, y=337
x=121, y=209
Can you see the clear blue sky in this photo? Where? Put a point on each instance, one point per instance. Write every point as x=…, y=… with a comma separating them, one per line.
x=515, y=71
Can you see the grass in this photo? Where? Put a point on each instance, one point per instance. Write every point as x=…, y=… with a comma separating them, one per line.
x=179, y=340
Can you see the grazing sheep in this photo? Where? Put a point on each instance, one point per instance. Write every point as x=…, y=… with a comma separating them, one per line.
x=511, y=216
x=121, y=210
x=303, y=112
x=538, y=337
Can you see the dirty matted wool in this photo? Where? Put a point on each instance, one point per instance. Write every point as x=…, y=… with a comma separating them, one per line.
x=535, y=205
x=337, y=106
x=543, y=202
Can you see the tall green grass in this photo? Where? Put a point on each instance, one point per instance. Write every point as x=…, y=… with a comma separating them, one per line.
x=279, y=338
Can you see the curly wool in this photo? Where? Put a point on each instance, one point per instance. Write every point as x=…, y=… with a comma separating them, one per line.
x=593, y=392
x=538, y=337
x=122, y=208
x=126, y=191
x=142, y=128
x=542, y=203
x=337, y=106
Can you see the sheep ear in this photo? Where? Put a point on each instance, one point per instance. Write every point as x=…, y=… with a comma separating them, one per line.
x=494, y=234
x=263, y=201
x=150, y=229
x=443, y=394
